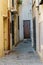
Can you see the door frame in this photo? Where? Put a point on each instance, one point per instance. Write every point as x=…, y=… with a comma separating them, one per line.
x=8, y=30
x=12, y=28
x=30, y=28
x=34, y=33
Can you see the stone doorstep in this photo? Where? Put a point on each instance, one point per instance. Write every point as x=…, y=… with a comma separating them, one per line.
x=7, y=52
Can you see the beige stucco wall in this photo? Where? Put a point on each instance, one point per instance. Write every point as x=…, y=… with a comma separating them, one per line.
x=16, y=31
x=5, y=33
x=5, y=22
x=39, y=28
x=5, y=7
x=4, y=26
x=1, y=36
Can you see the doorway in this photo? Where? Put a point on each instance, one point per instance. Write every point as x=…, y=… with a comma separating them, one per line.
x=12, y=27
x=26, y=25
x=34, y=33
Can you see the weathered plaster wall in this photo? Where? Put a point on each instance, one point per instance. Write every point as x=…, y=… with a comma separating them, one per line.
x=5, y=33
x=16, y=31
x=39, y=27
x=25, y=13
x=5, y=22
x=1, y=31
x=36, y=15
x=3, y=13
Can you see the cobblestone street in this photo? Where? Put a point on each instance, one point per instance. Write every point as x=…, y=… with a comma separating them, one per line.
x=23, y=54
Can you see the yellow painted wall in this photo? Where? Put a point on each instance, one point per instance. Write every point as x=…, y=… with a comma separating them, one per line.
x=39, y=29
x=5, y=27
x=1, y=37
x=36, y=15
x=3, y=12
x=1, y=31
x=5, y=22
x=5, y=7
x=16, y=31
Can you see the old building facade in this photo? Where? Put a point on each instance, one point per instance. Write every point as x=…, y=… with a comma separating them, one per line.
x=37, y=8
x=3, y=16
x=25, y=24
x=9, y=32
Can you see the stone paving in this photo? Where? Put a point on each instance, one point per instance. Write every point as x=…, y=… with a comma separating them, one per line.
x=23, y=54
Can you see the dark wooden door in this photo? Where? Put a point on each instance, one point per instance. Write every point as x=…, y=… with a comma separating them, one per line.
x=12, y=27
x=8, y=30
x=34, y=33
x=26, y=29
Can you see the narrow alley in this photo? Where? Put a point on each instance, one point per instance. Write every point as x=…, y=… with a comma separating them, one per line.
x=21, y=32
x=23, y=54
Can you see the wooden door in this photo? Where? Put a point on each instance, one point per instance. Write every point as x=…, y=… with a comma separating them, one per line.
x=34, y=33
x=8, y=30
x=12, y=27
x=26, y=29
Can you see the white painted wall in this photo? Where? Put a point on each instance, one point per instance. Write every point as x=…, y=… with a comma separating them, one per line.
x=25, y=13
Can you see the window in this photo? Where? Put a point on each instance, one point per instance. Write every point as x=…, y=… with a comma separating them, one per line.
x=18, y=22
x=12, y=3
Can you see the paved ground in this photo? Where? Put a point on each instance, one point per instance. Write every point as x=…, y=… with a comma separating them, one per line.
x=23, y=54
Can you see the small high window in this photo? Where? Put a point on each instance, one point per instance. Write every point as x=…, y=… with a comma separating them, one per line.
x=12, y=3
